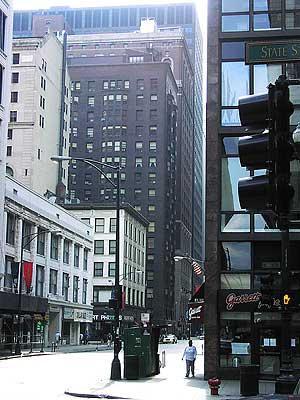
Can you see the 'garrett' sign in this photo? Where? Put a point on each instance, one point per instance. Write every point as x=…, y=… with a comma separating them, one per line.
x=232, y=299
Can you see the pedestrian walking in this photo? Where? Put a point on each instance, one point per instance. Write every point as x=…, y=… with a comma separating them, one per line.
x=190, y=354
x=109, y=339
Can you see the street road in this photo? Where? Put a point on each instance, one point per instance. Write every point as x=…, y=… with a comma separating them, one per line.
x=47, y=377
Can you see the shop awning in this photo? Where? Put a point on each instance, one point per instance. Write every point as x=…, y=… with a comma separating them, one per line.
x=30, y=304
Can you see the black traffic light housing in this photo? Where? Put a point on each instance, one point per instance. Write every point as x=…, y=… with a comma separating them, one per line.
x=271, y=149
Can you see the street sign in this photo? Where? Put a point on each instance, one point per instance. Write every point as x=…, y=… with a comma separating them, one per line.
x=145, y=317
x=268, y=52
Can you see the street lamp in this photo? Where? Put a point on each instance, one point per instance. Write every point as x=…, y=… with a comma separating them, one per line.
x=31, y=237
x=98, y=165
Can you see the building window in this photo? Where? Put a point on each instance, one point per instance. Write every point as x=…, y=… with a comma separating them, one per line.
x=84, y=290
x=152, y=146
x=152, y=178
x=152, y=161
x=65, y=286
x=15, y=77
x=99, y=247
x=140, y=84
x=153, y=114
x=91, y=101
x=41, y=242
x=76, y=255
x=139, y=99
x=77, y=85
x=154, y=83
x=90, y=116
x=9, y=151
x=16, y=58
x=152, y=129
x=53, y=282
x=136, y=59
x=112, y=247
x=91, y=86
x=10, y=229
x=236, y=256
x=151, y=227
x=153, y=97
x=54, y=247
x=13, y=115
x=151, y=193
x=112, y=224
x=39, y=281
x=26, y=234
x=98, y=269
x=126, y=84
x=14, y=97
x=9, y=134
x=90, y=132
x=99, y=225
x=66, y=254
x=85, y=259
x=138, y=162
x=111, y=269
x=75, y=288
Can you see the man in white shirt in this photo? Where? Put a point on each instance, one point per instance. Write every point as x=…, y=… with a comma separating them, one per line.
x=190, y=354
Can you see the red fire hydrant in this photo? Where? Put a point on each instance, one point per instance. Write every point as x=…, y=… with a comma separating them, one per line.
x=214, y=384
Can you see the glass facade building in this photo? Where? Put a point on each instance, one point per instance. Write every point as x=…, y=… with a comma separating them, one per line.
x=244, y=249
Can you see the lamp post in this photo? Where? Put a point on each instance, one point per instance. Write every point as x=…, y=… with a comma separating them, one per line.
x=98, y=165
x=31, y=237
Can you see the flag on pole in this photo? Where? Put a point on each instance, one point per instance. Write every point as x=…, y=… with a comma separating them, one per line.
x=197, y=268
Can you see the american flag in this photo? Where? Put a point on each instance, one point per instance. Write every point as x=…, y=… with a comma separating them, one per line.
x=197, y=268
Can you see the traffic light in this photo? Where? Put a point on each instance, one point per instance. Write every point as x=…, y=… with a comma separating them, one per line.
x=271, y=149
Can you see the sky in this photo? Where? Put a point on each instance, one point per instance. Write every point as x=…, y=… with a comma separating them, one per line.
x=38, y=4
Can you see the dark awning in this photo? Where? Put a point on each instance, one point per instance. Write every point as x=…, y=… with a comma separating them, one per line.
x=30, y=304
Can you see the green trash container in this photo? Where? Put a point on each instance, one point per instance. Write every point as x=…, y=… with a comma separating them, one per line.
x=131, y=367
x=249, y=380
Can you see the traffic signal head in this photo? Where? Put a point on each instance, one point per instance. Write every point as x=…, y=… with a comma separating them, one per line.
x=270, y=150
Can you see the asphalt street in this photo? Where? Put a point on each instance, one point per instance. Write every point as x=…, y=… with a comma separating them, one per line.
x=50, y=376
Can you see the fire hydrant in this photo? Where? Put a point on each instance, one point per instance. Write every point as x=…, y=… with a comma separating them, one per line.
x=214, y=384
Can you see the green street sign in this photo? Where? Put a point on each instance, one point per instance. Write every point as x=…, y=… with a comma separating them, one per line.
x=269, y=52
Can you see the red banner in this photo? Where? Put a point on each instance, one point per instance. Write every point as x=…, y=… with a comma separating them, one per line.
x=27, y=274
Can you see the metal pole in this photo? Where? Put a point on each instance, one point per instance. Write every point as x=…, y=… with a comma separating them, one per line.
x=18, y=344
x=116, y=365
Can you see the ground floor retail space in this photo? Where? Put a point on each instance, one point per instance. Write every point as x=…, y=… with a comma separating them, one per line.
x=103, y=322
x=255, y=331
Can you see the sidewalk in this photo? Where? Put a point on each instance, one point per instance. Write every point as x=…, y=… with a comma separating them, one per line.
x=60, y=349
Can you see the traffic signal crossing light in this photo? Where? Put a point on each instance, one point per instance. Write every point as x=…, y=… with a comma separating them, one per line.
x=271, y=149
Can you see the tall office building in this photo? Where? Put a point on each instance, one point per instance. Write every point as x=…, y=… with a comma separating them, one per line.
x=126, y=113
x=128, y=19
x=243, y=249
x=5, y=61
x=39, y=113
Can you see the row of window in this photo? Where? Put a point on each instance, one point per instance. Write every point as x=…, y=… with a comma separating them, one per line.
x=116, y=129
x=265, y=15
x=115, y=17
x=107, y=194
x=27, y=232
x=138, y=177
x=114, y=84
x=139, y=116
x=53, y=285
x=108, y=99
x=131, y=296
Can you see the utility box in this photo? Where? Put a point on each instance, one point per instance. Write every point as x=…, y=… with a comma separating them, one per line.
x=140, y=352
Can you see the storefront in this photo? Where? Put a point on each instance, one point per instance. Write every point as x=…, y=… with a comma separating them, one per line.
x=255, y=328
x=33, y=320
x=75, y=321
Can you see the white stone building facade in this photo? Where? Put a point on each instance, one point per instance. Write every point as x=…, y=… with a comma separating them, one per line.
x=5, y=60
x=61, y=252
x=36, y=131
x=133, y=233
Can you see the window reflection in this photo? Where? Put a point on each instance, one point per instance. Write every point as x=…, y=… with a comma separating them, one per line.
x=235, y=256
x=293, y=72
x=235, y=223
x=265, y=74
x=265, y=223
x=234, y=6
x=230, y=146
x=267, y=5
x=235, y=23
x=231, y=117
x=231, y=172
x=292, y=4
x=235, y=281
x=233, y=88
x=267, y=22
x=267, y=255
x=292, y=20
x=233, y=50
